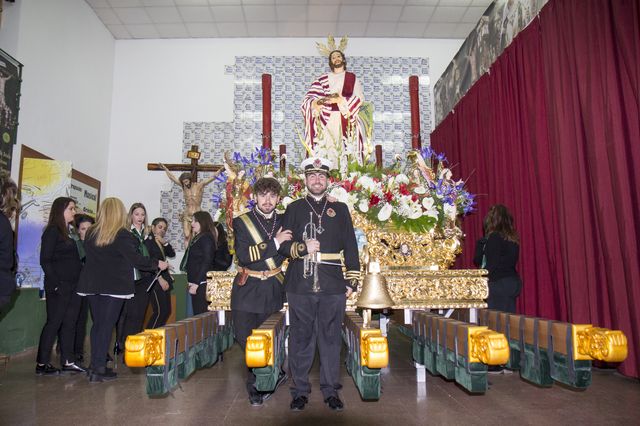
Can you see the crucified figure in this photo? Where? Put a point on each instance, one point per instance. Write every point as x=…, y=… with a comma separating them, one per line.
x=192, y=195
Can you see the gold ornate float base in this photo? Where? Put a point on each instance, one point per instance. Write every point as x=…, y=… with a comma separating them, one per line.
x=409, y=288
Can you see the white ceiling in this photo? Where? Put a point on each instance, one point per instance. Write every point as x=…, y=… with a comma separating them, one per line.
x=138, y=19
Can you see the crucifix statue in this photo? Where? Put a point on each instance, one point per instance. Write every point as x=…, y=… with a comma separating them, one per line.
x=188, y=181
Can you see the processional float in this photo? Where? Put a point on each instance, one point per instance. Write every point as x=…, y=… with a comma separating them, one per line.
x=406, y=217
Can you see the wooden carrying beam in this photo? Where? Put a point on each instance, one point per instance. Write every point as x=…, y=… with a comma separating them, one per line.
x=367, y=353
x=173, y=352
x=457, y=350
x=265, y=351
x=545, y=351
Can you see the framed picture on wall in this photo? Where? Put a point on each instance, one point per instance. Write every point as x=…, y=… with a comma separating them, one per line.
x=10, y=81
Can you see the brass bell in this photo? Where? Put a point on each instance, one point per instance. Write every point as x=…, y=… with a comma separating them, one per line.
x=374, y=293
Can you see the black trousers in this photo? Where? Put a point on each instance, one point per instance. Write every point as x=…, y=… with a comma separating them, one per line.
x=243, y=323
x=315, y=320
x=199, y=300
x=81, y=327
x=104, y=312
x=160, y=301
x=62, y=312
x=503, y=294
x=131, y=318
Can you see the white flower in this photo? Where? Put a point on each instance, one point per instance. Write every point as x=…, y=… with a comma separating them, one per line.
x=363, y=206
x=216, y=216
x=286, y=201
x=427, y=202
x=402, y=178
x=367, y=183
x=385, y=212
x=450, y=211
x=420, y=190
x=340, y=194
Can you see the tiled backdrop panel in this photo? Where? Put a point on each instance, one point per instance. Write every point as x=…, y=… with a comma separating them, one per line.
x=385, y=82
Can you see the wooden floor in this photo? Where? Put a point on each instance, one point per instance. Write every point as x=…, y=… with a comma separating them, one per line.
x=216, y=396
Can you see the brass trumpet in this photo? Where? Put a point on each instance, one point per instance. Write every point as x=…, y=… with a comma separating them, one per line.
x=311, y=260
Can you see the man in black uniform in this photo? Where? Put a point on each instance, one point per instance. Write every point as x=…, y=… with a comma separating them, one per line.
x=316, y=287
x=258, y=289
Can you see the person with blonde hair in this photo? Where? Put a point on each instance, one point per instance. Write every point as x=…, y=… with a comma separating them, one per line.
x=9, y=206
x=132, y=316
x=107, y=278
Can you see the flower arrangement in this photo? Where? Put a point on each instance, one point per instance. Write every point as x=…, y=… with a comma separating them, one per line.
x=416, y=195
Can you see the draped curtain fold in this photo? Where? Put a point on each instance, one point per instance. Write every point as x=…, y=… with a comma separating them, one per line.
x=553, y=132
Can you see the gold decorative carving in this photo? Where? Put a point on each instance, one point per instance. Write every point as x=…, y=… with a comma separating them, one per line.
x=143, y=349
x=414, y=289
x=398, y=248
x=488, y=346
x=259, y=349
x=603, y=344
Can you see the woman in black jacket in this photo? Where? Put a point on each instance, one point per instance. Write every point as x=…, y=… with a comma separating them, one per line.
x=498, y=252
x=60, y=260
x=200, y=258
x=9, y=206
x=160, y=296
x=107, y=278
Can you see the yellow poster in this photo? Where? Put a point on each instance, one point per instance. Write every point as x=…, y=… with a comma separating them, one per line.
x=42, y=182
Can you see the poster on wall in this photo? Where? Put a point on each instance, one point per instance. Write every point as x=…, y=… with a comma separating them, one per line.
x=85, y=195
x=42, y=182
x=10, y=80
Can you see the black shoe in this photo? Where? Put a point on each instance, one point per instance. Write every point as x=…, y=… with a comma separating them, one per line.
x=109, y=358
x=46, y=370
x=282, y=378
x=73, y=368
x=334, y=403
x=105, y=375
x=255, y=398
x=298, y=403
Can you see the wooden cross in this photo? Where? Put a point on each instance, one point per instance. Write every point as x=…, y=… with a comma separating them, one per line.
x=194, y=155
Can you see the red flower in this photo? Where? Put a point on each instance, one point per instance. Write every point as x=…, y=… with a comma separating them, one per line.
x=388, y=196
x=403, y=189
x=414, y=197
x=374, y=200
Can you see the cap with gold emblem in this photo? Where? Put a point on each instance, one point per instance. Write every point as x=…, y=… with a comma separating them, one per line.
x=315, y=165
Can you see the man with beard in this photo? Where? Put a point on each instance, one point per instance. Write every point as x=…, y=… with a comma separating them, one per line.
x=192, y=196
x=330, y=110
x=258, y=289
x=317, y=300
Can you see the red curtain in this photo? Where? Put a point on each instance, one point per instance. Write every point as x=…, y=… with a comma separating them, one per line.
x=553, y=132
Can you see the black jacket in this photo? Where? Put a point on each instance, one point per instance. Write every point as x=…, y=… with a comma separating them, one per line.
x=160, y=254
x=222, y=259
x=59, y=259
x=7, y=258
x=257, y=295
x=109, y=269
x=501, y=256
x=201, y=258
x=338, y=236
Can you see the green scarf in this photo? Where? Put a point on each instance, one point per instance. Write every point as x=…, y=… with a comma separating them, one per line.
x=185, y=258
x=79, y=244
